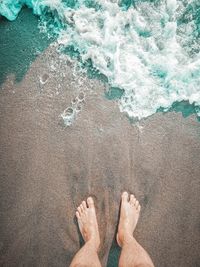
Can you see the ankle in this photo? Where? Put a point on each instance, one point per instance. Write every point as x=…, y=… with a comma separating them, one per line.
x=125, y=239
x=94, y=244
x=128, y=239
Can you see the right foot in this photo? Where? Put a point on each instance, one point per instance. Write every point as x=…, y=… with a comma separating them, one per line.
x=129, y=215
x=87, y=222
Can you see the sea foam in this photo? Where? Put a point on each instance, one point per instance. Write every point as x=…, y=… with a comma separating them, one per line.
x=150, y=50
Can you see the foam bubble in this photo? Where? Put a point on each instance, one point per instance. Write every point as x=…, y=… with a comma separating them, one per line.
x=44, y=78
x=68, y=116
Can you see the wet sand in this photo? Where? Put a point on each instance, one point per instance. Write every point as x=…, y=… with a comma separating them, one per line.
x=47, y=169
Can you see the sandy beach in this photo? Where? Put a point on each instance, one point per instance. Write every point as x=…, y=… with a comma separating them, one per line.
x=47, y=169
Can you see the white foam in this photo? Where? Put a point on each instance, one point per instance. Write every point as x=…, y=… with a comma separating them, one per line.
x=139, y=50
x=120, y=51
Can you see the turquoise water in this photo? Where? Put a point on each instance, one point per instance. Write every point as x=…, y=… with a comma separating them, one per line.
x=20, y=46
x=147, y=51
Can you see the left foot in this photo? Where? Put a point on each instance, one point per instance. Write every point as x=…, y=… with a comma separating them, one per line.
x=87, y=222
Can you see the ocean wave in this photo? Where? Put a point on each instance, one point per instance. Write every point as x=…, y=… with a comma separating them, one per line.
x=150, y=50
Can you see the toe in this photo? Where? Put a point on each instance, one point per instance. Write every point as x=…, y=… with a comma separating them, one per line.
x=84, y=205
x=79, y=210
x=124, y=196
x=132, y=199
x=136, y=204
x=77, y=215
x=90, y=202
x=82, y=208
x=139, y=208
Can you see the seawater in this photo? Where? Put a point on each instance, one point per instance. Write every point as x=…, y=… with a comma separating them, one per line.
x=147, y=51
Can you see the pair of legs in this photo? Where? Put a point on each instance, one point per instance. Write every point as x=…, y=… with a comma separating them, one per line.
x=132, y=254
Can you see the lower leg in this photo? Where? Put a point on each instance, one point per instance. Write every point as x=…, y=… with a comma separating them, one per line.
x=87, y=256
x=132, y=254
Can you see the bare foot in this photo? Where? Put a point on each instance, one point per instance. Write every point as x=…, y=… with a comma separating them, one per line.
x=87, y=222
x=129, y=215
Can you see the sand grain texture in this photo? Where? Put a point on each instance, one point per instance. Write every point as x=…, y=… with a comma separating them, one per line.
x=46, y=170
